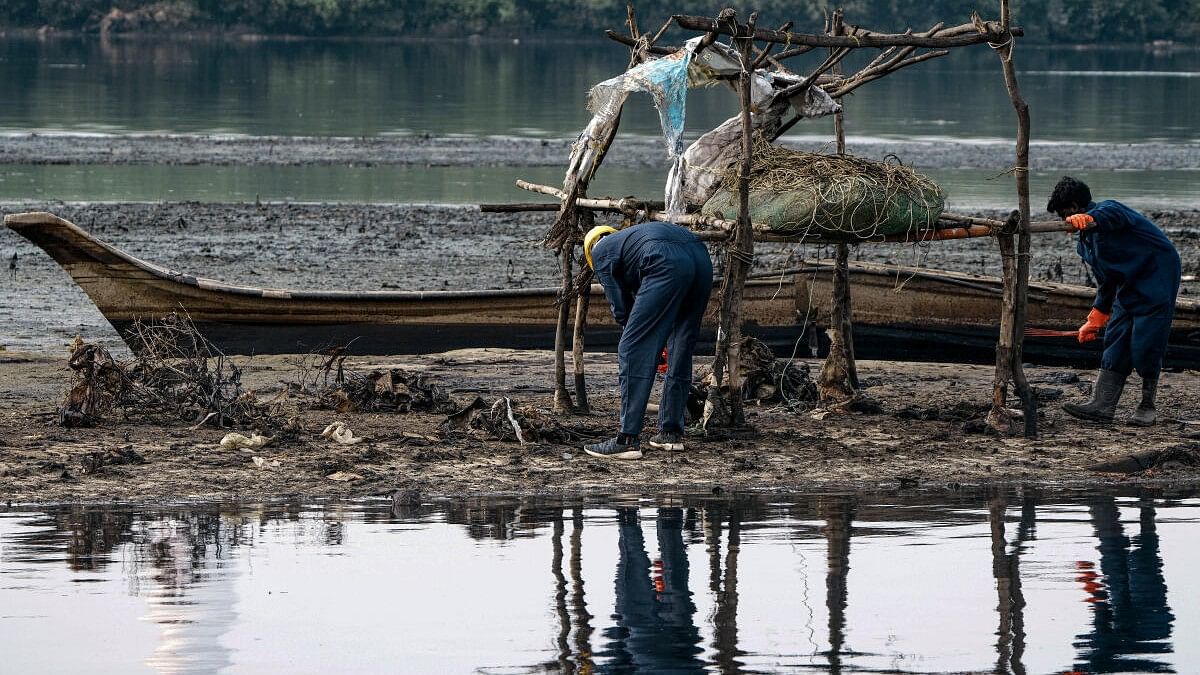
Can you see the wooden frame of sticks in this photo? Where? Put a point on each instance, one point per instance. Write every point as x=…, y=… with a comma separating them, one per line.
x=756, y=49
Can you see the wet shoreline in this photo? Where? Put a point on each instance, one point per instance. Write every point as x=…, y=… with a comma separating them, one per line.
x=926, y=435
x=495, y=151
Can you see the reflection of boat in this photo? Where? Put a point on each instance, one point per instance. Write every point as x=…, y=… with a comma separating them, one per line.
x=899, y=313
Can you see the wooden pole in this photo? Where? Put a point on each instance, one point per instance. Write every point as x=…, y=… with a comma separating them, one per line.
x=740, y=252
x=575, y=188
x=839, y=376
x=562, y=397
x=1014, y=246
x=999, y=417
x=582, y=300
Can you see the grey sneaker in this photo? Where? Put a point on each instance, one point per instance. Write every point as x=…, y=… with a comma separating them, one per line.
x=667, y=440
x=621, y=447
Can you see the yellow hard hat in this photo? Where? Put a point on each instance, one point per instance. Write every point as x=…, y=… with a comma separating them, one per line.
x=590, y=239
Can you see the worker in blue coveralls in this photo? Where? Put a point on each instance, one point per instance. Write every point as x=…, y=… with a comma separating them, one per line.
x=657, y=277
x=1137, y=273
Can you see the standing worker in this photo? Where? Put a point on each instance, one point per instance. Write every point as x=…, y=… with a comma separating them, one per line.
x=1137, y=273
x=657, y=277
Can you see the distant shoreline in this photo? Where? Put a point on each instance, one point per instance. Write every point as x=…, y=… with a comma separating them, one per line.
x=217, y=34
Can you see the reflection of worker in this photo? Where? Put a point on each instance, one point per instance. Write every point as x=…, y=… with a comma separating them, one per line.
x=657, y=277
x=1137, y=276
x=655, y=631
x=1131, y=620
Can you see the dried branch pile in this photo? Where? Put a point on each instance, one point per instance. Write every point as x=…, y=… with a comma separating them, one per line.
x=177, y=375
x=100, y=384
x=385, y=391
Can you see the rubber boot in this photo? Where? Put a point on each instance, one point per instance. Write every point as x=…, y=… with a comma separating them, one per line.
x=1105, y=396
x=1145, y=415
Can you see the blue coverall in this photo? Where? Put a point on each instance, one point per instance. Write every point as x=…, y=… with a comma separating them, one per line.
x=1137, y=276
x=657, y=277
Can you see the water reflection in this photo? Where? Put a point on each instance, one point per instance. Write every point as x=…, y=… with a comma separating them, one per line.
x=633, y=584
x=1131, y=622
x=839, y=516
x=653, y=627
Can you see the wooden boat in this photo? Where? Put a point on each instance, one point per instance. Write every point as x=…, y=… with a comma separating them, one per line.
x=899, y=313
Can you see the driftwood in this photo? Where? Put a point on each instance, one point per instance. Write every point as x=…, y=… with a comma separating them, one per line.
x=175, y=376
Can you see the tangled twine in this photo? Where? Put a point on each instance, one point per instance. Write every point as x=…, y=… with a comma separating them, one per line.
x=845, y=187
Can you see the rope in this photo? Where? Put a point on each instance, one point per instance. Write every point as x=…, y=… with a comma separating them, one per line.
x=847, y=189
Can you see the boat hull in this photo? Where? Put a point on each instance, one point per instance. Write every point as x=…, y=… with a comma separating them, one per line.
x=899, y=313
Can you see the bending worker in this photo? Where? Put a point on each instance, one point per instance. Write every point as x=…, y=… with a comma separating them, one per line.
x=657, y=277
x=1137, y=277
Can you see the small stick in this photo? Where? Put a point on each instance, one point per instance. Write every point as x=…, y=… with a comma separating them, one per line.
x=513, y=421
x=661, y=31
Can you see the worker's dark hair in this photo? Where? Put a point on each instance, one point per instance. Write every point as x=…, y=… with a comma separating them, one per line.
x=1069, y=192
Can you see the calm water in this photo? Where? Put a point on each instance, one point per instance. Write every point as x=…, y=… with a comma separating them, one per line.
x=538, y=90
x=535, y=90
x=1011, y=583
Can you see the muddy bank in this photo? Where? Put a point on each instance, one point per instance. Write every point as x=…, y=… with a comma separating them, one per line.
x=925, y=435
x=627, y=152
x=380, y=246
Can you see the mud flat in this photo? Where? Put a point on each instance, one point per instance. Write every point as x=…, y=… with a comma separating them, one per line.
x=627, y=152
x=926, y=435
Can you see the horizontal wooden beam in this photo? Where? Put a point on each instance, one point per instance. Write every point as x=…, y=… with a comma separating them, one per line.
x=958, y=36
x=519, y=208
x=959, y=226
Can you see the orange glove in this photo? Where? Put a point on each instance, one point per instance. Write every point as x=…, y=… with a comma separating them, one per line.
x=1080, y=221
x=662, y=362
x=1095, y=321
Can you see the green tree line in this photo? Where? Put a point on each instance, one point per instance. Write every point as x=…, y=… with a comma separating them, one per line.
x=1071, y=21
